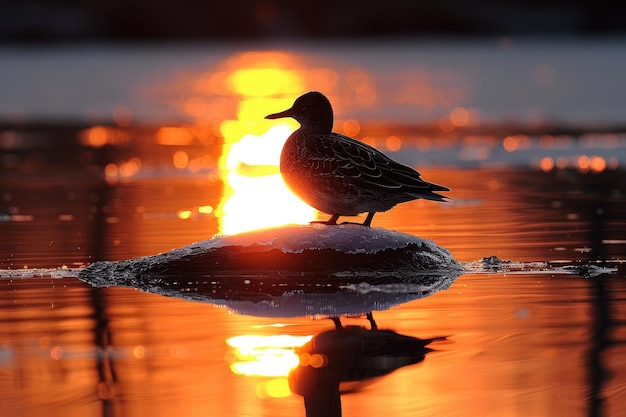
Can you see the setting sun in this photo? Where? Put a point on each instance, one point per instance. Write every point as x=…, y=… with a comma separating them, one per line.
x=255, y=195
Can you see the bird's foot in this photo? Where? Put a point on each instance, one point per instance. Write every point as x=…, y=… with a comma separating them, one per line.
x=330, y=222
x=326, y=222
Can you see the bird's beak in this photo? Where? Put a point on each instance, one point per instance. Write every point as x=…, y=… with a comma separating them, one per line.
x=286, y=113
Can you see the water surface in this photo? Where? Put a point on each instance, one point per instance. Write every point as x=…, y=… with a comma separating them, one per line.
x=517, y=343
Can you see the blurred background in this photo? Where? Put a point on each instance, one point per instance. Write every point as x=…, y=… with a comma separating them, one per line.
x=197, y=20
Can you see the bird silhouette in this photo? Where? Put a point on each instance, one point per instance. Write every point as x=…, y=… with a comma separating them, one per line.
x=339, y=175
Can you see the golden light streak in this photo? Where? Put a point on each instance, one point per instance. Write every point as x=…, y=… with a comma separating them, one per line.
x=270, y=356
x=255, y=195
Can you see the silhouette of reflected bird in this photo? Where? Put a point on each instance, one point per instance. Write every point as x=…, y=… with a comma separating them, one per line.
x=339, y=175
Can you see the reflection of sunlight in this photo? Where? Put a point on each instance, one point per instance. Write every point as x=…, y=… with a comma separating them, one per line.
x=271, y=356
x=261, y=202
x=255, y=195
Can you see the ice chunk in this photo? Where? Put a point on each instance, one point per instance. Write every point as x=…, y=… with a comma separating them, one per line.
x=290, y=271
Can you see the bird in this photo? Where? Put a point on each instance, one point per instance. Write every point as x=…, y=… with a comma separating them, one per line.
x=339, y=175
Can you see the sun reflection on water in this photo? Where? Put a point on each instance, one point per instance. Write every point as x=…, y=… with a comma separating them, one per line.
x=270, y=357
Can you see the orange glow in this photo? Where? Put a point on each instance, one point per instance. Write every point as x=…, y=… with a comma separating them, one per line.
x=174, y=136
x=459, y=116
x=44, y=342
x=546, y=164
x=261, y=82
x=393, y=143
x=111, y=170
x=583, y=163
x=546, y=141
x=510, y=144
x=184, y=214
x=351, y=127
x=516, y=142
x=96, y=136
x=597, y=164
x=130, y=167
x=56, y=353
x=493, y=185
x=196, y=106
x=315, y=360
x=363, y=85
x=561, y=162
x=369, y=140
x=271, y=356
x=324, y=79
x=180, y=159
x=139, y=351
x=274, y=388
x=445, y=124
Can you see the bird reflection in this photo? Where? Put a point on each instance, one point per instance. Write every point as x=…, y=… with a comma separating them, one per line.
x=348, y=357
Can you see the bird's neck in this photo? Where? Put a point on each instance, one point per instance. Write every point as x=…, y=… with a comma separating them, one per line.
x=317, y=127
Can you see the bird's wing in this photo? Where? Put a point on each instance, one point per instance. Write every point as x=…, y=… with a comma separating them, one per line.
x=365, y=166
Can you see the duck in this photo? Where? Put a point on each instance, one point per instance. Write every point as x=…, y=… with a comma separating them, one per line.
x=339, y=175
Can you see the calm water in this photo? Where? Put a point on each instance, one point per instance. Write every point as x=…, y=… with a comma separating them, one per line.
x=530, y=343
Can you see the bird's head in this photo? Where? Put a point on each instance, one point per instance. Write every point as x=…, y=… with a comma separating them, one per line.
x=312, y=110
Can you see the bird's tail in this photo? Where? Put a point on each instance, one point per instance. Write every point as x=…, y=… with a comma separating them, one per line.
x=430, y=193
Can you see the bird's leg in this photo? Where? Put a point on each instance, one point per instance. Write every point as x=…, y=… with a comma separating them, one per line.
x=368, y=219
x=367, y=222
x=337, y=322
x=373, y=324
x=330, y=222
